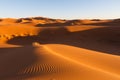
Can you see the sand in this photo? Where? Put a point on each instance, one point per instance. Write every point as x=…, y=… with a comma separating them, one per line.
x=52, y=49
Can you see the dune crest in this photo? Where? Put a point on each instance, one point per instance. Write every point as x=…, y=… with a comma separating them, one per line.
x=36, y=44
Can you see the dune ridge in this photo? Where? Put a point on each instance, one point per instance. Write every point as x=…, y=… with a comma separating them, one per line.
x=90, y=56
x=77, y=62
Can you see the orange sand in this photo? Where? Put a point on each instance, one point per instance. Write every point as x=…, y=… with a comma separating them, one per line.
x=53, y=49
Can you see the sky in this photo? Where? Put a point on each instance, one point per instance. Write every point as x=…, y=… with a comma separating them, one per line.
x=63, y=9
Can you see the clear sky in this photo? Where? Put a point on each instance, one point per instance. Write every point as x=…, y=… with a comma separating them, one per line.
x=67, y=9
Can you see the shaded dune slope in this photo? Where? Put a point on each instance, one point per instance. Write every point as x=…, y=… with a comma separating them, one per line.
x=102, y=39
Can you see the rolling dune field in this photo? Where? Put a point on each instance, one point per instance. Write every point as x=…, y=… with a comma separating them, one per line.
x=41, y=48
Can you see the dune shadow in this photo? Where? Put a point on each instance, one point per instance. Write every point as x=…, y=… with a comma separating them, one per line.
x=44, y=36
x=1, y=20
x=60, y=24
x=15, y=60
x=24, y=40
x=115, y=22
x=50, y=25
x=104, y=39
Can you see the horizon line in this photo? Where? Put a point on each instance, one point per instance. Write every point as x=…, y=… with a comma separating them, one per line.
x=57, y=18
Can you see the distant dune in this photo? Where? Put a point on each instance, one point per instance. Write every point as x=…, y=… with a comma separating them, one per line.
x=39, y=48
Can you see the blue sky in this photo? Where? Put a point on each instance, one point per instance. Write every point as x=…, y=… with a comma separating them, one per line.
x=65, y=9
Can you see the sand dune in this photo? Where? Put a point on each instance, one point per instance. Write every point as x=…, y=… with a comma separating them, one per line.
x=59, y=49
x=42, y=62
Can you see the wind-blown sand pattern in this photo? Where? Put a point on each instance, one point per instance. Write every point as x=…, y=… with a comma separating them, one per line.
x=52, y=49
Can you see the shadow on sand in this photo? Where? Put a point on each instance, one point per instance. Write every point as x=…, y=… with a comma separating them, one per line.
x=104, y=39
x=15, y=60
